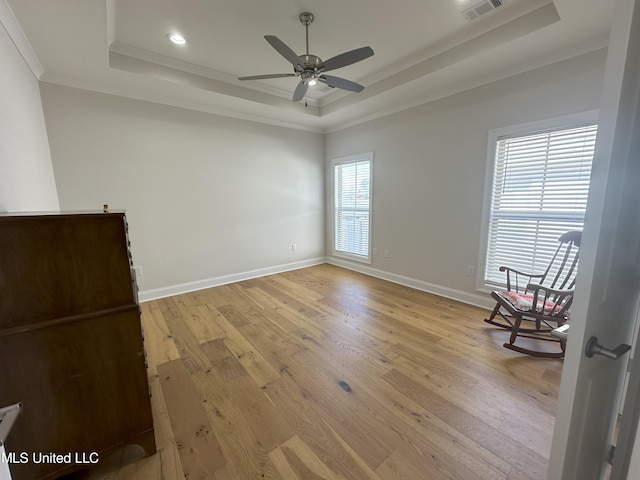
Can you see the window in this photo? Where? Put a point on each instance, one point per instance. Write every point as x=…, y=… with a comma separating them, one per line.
x=352, y=207
x=539, y=190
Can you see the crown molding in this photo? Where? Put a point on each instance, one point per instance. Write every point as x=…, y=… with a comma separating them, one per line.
x=19, y=39
x=149, y=96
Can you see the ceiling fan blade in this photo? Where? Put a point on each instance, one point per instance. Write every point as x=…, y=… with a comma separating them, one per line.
x=301, y=89
x=284, y=50
x=346, y=58
x=342, y=83
x=272, y=75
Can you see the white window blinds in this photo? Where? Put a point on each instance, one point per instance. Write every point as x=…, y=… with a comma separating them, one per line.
x=352, y=205
x=540, y=188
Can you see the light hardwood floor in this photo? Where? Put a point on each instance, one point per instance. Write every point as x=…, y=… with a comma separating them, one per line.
x=324, y=373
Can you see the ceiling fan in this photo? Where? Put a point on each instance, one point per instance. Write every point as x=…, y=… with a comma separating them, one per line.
x=310, y=68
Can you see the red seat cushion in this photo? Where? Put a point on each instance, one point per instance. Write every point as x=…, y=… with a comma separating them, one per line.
x=524, y=302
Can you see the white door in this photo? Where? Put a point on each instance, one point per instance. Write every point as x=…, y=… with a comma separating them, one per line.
x=608, y=284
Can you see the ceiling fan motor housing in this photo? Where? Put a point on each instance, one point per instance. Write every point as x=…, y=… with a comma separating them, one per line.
x=310, y=61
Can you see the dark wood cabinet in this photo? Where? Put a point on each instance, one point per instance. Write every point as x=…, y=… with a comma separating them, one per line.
x=71, y=346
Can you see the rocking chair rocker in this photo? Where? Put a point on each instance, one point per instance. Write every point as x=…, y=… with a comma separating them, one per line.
x=538, y=300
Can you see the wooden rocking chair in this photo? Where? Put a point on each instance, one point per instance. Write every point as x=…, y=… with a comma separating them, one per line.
x=539, y=300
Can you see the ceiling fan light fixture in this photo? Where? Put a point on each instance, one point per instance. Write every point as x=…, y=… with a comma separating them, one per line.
x=176, y=38
x=308, y=77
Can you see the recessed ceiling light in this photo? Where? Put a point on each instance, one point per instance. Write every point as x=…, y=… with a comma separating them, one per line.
x=176, y=38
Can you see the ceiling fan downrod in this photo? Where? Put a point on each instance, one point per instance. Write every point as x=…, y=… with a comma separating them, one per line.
x=306, y=19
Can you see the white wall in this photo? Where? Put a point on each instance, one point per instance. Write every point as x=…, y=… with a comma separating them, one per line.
x=210, y=197
x=429, y=164
x=26, y=175
x=206, y=196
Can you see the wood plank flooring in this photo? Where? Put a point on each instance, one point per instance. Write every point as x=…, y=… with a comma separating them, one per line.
x=323, y=373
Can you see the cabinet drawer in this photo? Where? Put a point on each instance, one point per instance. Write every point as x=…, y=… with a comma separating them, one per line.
x=83, y=385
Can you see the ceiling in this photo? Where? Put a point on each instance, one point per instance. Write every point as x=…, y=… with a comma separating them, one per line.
x=424, y=50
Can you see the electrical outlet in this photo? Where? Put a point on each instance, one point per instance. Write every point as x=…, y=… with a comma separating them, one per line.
x=386, y=254
x=375, y=251
x=138, y=270
x=471, y=270
x=294, y=247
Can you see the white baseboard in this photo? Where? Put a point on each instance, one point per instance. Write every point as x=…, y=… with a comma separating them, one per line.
x=147, y=295
x=481, y=301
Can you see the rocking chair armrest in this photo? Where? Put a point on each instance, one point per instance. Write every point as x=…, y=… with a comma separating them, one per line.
x=533, y=287
x=509, y=269
x=515, y=278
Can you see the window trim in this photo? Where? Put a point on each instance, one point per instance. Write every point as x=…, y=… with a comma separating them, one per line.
x=529, y=128
x=368, y=156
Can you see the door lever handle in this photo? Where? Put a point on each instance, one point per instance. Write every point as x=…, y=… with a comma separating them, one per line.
x=594, y=348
